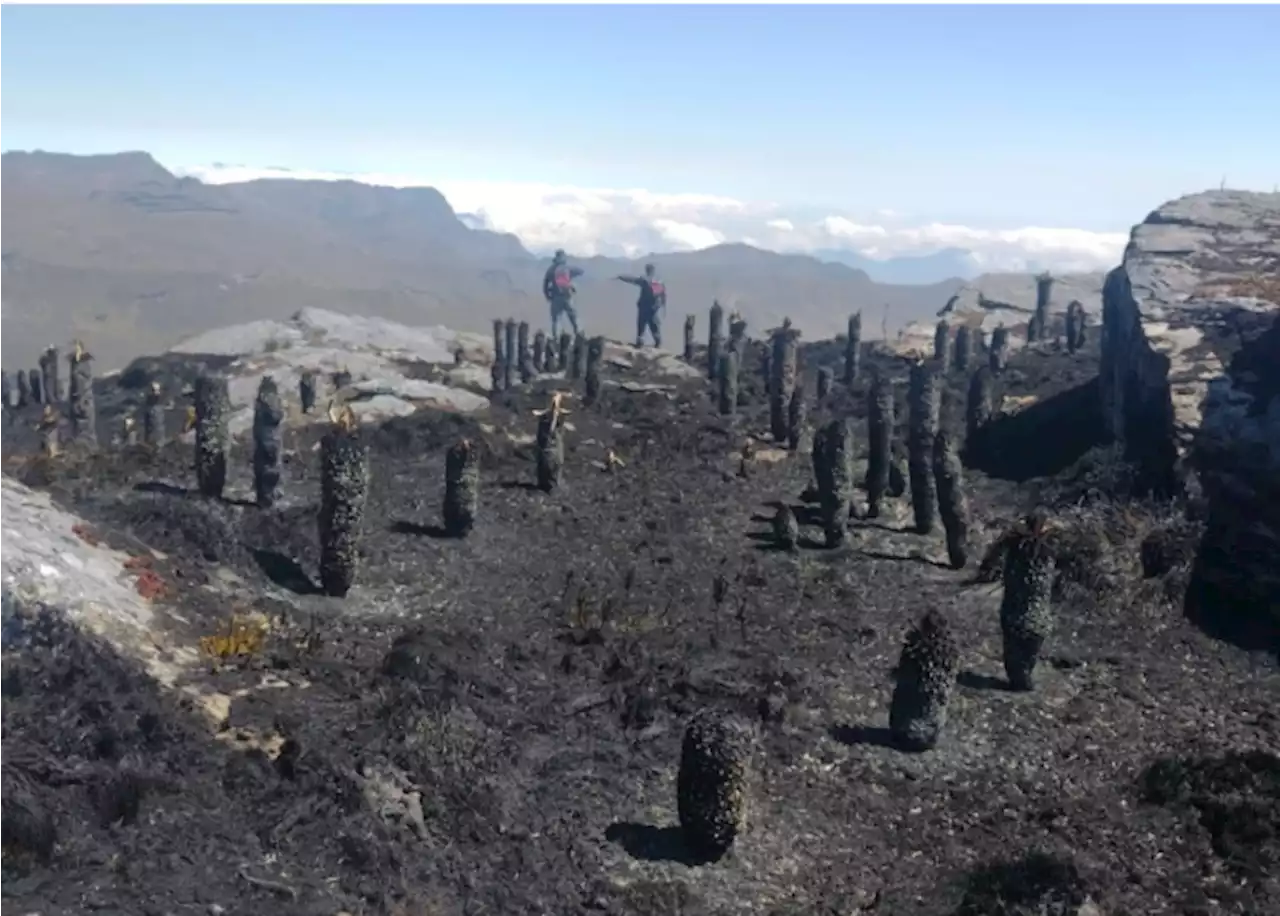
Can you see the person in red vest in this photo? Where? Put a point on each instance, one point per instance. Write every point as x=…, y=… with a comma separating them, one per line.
x=558, y=288
x=650, y=306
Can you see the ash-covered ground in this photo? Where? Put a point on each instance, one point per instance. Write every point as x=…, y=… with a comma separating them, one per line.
x=492, y=725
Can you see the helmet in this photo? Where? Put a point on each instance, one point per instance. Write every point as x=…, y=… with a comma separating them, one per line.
x=559, y=255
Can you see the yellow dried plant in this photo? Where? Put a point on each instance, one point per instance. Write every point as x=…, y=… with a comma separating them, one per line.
x=242, y=636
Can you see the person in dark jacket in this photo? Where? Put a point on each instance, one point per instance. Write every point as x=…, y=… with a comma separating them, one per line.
x=650, y=306
x=558, y=288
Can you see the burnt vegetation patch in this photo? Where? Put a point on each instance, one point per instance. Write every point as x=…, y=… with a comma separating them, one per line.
x=1036, y=884
x=660, y=662
x=1234, y=797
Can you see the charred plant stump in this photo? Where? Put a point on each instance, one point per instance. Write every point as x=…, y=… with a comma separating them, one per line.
x=80, y=404
x=499, y=341
x=562, y=347
x=728, y=384
x=33, y=382
x=153, y=431
x=24, y=388
x=344, y=490
x=953, y=505
x=6, y=391
x=47, y=427
x=782, y=380
x=853, y=349
x=341, y=379
x=578, y=365
x=39, y=378
x=595, y=356
x=212, y=409
x=307, y=391
x=1070, y=326
x=880, y=439
x=1075, y=326
x=549, y=356
x=523, y=362
x=926, y=673
x=129, y=430
x=563, y=352
x=1038, y=326
x=786, y=530
x=1026, y=610
x=690, y=326
x=979, y=406
x=737, y=333
x=818, y=456
x=51, y=380
x=715, y=339
x=923, y=404
x=824, y=385
x=998, y=355
x=550, y=452
x=796, y=418
x=540, y=352
x=461, y=489
x=942, y=346
x=833, y=470
x=964, y=348
x=268, y=414
x=713, y=782
x=511, y=355
x=495, y=379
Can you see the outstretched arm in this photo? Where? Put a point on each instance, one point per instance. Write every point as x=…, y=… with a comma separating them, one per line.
x=576, y=272
x=634, y=281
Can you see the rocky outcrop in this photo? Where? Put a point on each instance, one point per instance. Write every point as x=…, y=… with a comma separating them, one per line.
x=52, y=558
x=384, y=358
x=1183, y=314
x=376, y=352
x=1190, y=378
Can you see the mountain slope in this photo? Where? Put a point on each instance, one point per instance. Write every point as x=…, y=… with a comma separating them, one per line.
x=117, y=250
x=937, y=266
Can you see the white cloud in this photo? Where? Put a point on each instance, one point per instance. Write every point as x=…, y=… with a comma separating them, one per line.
x=634, y=221
x=689, y=236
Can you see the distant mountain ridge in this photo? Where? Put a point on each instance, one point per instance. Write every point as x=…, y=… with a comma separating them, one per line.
x=947, y=264
x=117, y=250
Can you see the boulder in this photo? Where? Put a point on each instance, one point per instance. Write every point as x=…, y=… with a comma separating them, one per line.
x=1190, y=379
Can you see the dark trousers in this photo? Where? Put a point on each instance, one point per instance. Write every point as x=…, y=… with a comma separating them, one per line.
x=563, y=308
x=648, y=320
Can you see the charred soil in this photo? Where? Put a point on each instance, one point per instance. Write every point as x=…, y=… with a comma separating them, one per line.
x=492, y=723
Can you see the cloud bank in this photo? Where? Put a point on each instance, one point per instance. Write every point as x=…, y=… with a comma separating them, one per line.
x=632, y=222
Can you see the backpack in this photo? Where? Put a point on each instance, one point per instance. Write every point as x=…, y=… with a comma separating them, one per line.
x=658, y=290
x=562, y=281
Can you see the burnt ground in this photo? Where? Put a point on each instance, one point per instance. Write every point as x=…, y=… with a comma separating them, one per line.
x=492, y=725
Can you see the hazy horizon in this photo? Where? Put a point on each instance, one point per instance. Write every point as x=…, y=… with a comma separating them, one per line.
x=878, y=131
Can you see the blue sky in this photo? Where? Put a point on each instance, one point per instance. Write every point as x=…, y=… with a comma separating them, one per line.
x=1077, y=116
